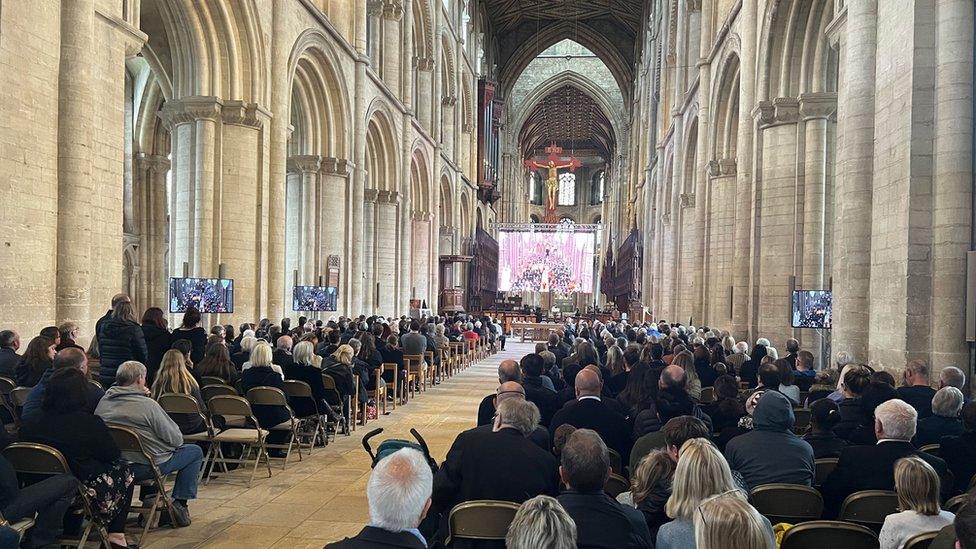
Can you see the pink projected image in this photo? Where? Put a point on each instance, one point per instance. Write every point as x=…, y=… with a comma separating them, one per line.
x=559, y=262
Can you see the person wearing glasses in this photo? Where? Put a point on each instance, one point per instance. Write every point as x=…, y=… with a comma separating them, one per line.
x=701, y=473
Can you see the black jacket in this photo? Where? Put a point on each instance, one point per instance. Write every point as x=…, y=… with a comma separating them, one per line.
x=872, y=468
x=376, y=538
x=157, y=343
x=282, y=358
x=258, y=376
x=503, y=466
x=825, y=446
x=82, y=437
x=197, y=336
x=594, y=414
x=602, y=523
x=852, y=416
x=920, y=397
x=118, y=341
x=313, y=377
x=8, y=362
x=959, y=453
x=546, y=400
x=930, y=430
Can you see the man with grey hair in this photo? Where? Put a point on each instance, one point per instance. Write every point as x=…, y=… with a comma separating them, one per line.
x=872, y=467
x=282, y=353
x=502, y=464
x=739, y=356
x=950, y=376
x=128, y=403
x=399, y=496
x=505, y=391
x=508, y=370
x=600, y=520
x=916, y=389
x=841, y=359
x=9, y=343
x=944, y=421
x=590, y=412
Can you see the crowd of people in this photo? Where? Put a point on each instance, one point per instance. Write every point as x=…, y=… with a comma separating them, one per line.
x=76, y=394
x=694, y=421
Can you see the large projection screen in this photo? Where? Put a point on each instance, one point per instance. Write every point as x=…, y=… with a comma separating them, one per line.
x=538, y=261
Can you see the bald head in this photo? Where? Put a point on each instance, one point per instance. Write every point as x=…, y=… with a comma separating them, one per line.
x=588, y=383
x=71, y=357
x=672, y=377
x=507, y=390
x=508, y=371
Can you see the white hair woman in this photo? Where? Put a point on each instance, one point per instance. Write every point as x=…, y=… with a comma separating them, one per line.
x=726, y=517
x=917, y=485
x=702, y=472
x=541, y=523
x=262, y=355
x=944, y=421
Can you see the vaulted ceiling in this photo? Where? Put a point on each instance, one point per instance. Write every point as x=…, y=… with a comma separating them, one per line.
x=509, y=14
x=570, y=118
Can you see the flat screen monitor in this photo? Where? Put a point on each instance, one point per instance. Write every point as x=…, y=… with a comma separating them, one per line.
x=812, y=309
x=208, y=295
x=315, y=298
x=559, y=262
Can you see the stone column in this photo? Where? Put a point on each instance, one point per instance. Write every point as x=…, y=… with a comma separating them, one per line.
x=333, y=199
x=153, y=170
x=305, y=224
x=357, y=241
x=855, y=179
x=271, y=213
x=386, y=243
x=422, y=101
x=370, y=210
x=193, y=125
x=390, y=19
x=952, y=188
x=75, y=119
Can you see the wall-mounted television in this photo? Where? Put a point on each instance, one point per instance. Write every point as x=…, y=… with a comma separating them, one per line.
x=208, y=295
x=315, y=298
x=812, y=309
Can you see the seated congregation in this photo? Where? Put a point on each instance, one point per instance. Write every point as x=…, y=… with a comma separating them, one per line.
x=149, y=407
x=616, y=436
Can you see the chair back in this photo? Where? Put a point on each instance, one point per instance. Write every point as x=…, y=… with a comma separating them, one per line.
x=298, y=389
x=481, y=519
x=956, y=503
x=128, y=441
x=267, y=396
x=615, y=485
x=802, y=416
x=18, y=396
x=178, y=403
x=869, y=507
x=822, y=534
x=787, y=502
x=332, y=394
x=6, y=385
x=824, y=466
x=212, y=380
x=707, y=395
x=210, y=391
x=390, y=367
x=414, y=363
x=231, y=406
x=35, y=459
x=931, y=449
x=328, y=382
x=920, y=541
x=616, y=462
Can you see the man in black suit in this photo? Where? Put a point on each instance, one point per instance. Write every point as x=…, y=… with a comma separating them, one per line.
x=589, y=412
x=502, y=464
x=557, y=348
x=546, y=400
x=916, y=389
x=399, y=498
x=507, y=390
x=601, y=522
x=959, y=452
x=9, y=343
x=282, y=354
x=872, y=467
x=508, y=370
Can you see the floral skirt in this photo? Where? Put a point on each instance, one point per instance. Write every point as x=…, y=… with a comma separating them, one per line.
x=107, y=491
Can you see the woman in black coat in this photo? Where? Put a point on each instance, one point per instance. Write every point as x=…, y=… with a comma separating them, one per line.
x=120, y=338
x=191, y=331
x=157, y=338
x=260, y=374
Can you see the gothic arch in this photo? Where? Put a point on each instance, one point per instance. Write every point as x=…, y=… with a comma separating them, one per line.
x=793, y=55
x=423, y=29
x=420, y=182
x=446, y=209
x=725, y=106
x=318, y=103
x=381, y=147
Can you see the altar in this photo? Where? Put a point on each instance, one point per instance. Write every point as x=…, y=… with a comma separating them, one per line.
x=536, y=331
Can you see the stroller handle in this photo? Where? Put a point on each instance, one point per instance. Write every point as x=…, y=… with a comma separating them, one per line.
x=366, y=445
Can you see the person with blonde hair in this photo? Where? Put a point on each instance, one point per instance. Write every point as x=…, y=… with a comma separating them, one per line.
x=702, y=472
x=173, y=377
x=917, y=485
x=686, y=361
x=261, y=372
x=303, y=369
x=650, y=488
x=541, y=523
x=727, y=521
x=262, y=355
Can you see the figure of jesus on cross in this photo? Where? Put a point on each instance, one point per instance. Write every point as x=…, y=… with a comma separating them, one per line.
x=552, y=181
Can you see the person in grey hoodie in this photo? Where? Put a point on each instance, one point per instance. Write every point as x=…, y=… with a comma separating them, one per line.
x=771, y=452
x=128, y=403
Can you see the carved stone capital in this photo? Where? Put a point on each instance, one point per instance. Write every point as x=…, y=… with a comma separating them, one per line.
x=240, y=113
x=764, y=113
x=786, y=109
x=713, y=168
x=818, y=105
x=370, y=196
x=374, y=8
x=727, y=166
x=190, y=109
x=449, y=100
x=694, y=5
x=154, y=162
x=392, y=10
x=336, y=166
x=418, y=215
x=304, y=163
x=687, y=200
x=467, y=128
x=425, y=64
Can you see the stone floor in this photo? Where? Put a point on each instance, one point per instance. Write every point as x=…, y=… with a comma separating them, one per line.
x=323, y=497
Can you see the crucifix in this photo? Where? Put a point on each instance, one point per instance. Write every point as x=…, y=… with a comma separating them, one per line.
x=552, y=181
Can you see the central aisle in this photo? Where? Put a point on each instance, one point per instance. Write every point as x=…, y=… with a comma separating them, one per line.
x=323, y=497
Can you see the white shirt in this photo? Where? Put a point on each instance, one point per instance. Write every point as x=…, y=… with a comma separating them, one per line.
x=274, y=367
x=593, y=397
x=899, y=527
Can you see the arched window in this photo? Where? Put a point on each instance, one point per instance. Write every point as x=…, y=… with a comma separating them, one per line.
x=597, y=187
x=567, y=189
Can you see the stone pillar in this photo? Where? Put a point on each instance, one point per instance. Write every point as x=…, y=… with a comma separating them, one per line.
x=392, y=44
x=306, y=223
x=357, y=241
x=75, y=119
x=369, y=209
x=423, y=95
x=386, y=243
x=856, y=113
x=152, y=253
x=271, y=212
x=952, y=188
x=193, y=125
x=333, y=201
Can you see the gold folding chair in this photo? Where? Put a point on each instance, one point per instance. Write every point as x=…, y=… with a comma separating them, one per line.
x=416, y=372
x=210, y=391
x=18, y=397
x=920, y=541
x=824, y=466
x=273, y=396
x=956, y=503
x=251, y=437
x=332, y=394
x=707, y=395
x=6, y=386
x=128, y=441
x=480, y=519
x=869, y=507
x=802, y=416
x=616, y=462
x=931, y=449
x=212, y=380
x=31, y=459
x=790, y=503
x=615, y=485
x=309, y=427
x=392, y=367
x=178, y=403
x=21, y=526
x=820, y=534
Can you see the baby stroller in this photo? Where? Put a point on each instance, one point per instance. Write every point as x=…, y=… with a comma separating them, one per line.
x=391, y=445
